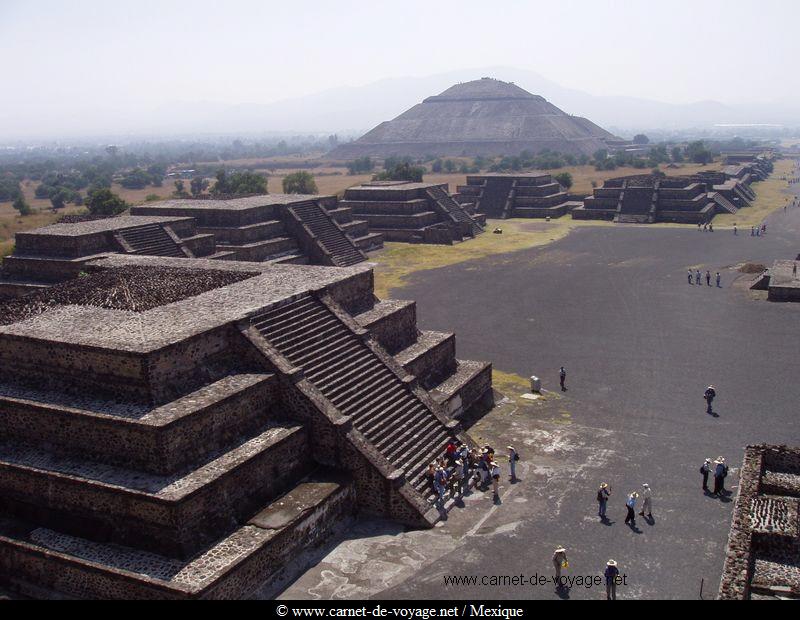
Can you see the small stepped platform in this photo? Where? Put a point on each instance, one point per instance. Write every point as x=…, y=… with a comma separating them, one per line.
x=247, y=559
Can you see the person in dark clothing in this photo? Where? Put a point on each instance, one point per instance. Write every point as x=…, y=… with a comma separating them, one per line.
x=710, y=394
x=720, y=473
x=612, y=577
x=708, y=278
x=562, y=375
x=705, y=469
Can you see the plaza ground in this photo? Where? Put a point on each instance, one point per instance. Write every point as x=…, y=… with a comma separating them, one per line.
x=612, y=304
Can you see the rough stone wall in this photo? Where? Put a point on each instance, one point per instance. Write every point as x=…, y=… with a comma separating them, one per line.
x=763, y=555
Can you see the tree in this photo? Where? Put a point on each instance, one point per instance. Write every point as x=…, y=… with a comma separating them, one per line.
x=401, y=172
x=102, y=201
x=21, y=205
x=299, y=183
x=641, y=139
x=239, y=184
x=361, y=165
x=698, y=153
x=677, y=154
x=198, y=185
x=59, y=199
x=180, y=189
x=564, y=180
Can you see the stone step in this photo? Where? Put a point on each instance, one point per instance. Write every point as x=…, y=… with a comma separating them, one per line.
x=158, y=440
x=253, y=556
x=369, y=242
x=261, y=250
x=393, y=323
x=431, y=358
x=361, y=386
x=173, y=515
x=470, y=383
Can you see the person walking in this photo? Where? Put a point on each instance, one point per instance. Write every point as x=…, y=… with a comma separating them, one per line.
x=631, y=506
x=602, y=500
x=719, y=280
x=794, y=270
x=710, y=394
x=708, y=278
x=647, y=501
x=689, y=275
x=513, y=457
x=697, y=277
x=559, y=561
x=562, y=375
x=735, y=230
x=705, y=469
x=752, y=232
x=612, y=576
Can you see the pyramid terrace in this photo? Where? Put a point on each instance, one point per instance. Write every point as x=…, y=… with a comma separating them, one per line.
x=413, y=212
x=205, y=421
x=534, y=195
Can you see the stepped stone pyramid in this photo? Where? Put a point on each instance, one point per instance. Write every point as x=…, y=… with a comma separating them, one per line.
x=413, y=212
x=482, y=117
x=179, y=428
x=533, y=194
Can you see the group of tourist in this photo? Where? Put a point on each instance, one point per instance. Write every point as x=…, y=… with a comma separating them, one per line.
x=604, y=494
x=707, y=227
x=719, y=469
x=610, y=573
x=697, y=278
x=460, y=467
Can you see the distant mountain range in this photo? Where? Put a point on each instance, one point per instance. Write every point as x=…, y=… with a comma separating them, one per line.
x=351, y=111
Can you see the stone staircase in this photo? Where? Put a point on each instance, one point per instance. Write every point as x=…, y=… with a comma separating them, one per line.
x=359, y=383
x=150, y=240
x=455, y=210
x=637, y=205
x=494, y=200
x=321, y=229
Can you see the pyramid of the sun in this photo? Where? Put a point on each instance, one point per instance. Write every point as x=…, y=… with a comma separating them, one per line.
x=483, y=117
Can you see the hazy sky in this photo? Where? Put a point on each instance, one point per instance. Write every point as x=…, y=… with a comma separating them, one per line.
x=82, y=61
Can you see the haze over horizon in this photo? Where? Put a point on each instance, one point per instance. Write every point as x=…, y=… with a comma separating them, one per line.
x=90, y=68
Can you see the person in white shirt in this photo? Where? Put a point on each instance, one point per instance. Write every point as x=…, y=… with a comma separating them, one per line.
x=647, y=503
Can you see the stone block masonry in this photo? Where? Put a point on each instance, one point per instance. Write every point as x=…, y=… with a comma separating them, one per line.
x=181, y=427
x=763, y=555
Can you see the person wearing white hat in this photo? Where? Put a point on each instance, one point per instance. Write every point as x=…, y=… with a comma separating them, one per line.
x=612, y=576
x=720, y=473
x=631, y=506
x=647, y=503
x=559, y=562
x=602, y=500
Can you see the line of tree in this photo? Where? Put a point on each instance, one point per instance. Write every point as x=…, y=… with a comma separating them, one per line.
x=362, y=165
x=400, y=170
